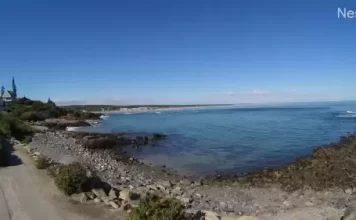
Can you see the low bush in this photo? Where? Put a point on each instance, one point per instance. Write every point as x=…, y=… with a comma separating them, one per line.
x=18, y=109
x=30, y=116
x=52, y=113
x=24, y=101
x=70, y=178
x=42, y=162
x=153, y=207
x=31, y=110
x=13, y=127
x=53, y=170
x=77, y=114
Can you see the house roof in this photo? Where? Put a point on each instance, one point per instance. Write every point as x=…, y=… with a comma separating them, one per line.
x=7, y=94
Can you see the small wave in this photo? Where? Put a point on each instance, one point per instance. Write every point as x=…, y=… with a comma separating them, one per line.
x=104, y=116
x=127, y=113
x=158, y=112
x=72, y=128
x=347, y=116
x=93, y=123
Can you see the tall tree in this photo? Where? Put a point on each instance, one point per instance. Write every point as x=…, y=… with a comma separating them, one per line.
x=14, y=89
x=2, y=91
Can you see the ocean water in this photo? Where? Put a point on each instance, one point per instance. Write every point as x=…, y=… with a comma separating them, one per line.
x=236, y=139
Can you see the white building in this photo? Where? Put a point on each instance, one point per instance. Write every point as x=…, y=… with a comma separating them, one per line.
x=7, y=96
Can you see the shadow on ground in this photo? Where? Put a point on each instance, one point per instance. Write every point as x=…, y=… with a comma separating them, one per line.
x=9, y=158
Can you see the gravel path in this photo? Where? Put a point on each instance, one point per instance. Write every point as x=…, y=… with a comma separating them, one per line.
x=28, y=194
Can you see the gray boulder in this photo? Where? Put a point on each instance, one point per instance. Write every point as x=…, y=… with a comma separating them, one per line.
x=79, y=197
x=350, y=214
x=113, y=193
x=100, y=193
x=127, y=195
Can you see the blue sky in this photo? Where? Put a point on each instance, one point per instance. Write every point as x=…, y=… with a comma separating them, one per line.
x=178, y=52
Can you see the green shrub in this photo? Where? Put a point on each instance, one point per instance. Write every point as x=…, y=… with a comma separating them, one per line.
x=12, y=127
x=76, y=114
x=42, y=162
x=52, y=113
x=18, y=109
x=40, y=106
x=53, y=170
x=30, y=110
x=24, y=101
x=5, y=127
x=30, y=116
x=70, y=178
x=153, y=207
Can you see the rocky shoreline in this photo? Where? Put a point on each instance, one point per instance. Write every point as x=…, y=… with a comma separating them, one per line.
x=329, y=166
x=260, y=194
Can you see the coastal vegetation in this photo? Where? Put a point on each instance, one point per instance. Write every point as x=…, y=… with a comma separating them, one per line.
x=30, y=110
x=70, y=178
x=13, y=121
x=10, y=126
x=153, y=207
x=42, y=162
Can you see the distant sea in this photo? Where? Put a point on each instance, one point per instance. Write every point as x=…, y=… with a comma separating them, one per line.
x=234, y=139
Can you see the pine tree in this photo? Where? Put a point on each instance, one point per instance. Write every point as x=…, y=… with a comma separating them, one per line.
x=2, y=91
x=14, y=89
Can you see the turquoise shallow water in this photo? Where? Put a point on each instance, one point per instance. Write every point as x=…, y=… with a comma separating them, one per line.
x=236, y=139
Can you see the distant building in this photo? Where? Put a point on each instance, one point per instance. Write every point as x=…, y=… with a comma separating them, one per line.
x=7, y=97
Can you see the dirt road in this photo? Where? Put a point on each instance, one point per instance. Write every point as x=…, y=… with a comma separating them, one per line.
x=29, y=194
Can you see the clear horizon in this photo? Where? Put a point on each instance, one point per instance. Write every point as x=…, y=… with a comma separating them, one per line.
x=181, y=52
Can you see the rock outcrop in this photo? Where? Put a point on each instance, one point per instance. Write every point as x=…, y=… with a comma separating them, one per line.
x=62, y=124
